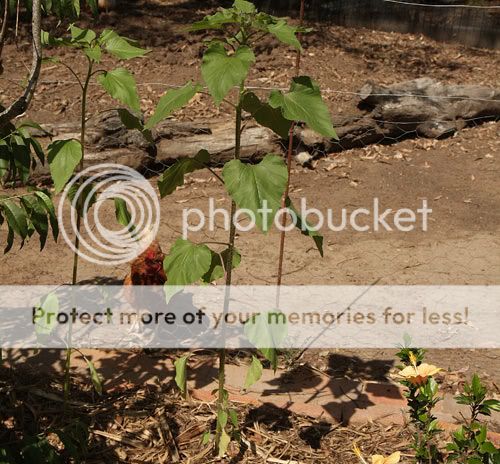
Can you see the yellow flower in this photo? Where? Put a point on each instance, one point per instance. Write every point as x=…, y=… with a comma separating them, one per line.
x=418, y=374
x=394, y=458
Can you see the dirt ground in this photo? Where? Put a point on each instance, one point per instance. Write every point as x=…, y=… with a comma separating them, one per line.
x=458, y=176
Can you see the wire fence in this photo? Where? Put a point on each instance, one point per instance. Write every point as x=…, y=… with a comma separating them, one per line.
x=284, y=89
x=471, y=24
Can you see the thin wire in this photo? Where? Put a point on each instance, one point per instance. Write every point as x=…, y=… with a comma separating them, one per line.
x=483, y=7
x=284, y=89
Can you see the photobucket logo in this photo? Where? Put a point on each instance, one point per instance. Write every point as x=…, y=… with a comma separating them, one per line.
x=93, y=191
x=360, y=219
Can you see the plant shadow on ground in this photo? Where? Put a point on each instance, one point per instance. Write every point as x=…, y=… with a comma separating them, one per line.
x=340, y=395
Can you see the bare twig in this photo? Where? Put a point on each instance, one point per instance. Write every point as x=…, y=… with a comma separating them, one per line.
x=21, y=104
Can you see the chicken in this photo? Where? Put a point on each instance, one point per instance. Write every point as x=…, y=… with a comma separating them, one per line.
x=147, y=268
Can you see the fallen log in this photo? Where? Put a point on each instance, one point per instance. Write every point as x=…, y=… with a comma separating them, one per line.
x=421, y=107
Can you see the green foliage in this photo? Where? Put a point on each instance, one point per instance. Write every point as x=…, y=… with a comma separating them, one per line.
x=244, y=16
x=63, y=9
x=254, y=372
x=171, y=101
x=266, y=331
x=19, y=152
x=221, y=71
x=63, y=157
x=304, y=103
x=50, y=307
x=266, y=115
x=37, y=449
x=119, y=46
x=181, y=372
x=123, y=215
x=259, y=186
x=187, y=262
x=305, y=228
x=94, y=376
x=26, y=215
x=120, y=84
x=216, y=270
x=223, y=443
x=470, y=444
x=85, y=196
x=173, y=177
x=405, y=351
x=421, y=399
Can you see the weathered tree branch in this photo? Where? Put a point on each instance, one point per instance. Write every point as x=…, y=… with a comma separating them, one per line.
x=21, y=104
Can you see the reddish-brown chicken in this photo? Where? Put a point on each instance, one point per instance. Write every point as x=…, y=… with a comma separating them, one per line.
x=147, y=268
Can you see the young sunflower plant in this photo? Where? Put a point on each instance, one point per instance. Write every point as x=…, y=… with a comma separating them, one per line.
x=225, y=67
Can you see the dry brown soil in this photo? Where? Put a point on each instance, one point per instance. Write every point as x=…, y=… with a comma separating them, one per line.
x=458, y=176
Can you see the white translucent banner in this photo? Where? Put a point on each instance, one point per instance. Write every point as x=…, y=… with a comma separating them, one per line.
x=247, y=316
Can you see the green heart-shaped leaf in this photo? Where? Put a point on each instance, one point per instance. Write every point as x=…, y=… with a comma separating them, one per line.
x=257, y=187
x=187, y=262
x=120, y=84
x=304, y=103
x=63, y=158
x=221, y=71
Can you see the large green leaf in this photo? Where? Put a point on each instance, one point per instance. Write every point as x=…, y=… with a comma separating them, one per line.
x=187, y=262
x=304, y=103
x=120, y=84
x=119, y=46
x=266, y=115
x=285, y=33
x=173, y=177
x=257, y=186
x=63, y=157
x=216, y=270
x=221, y=71
x=254, y=372
x=305, y=228
x=171, y=101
